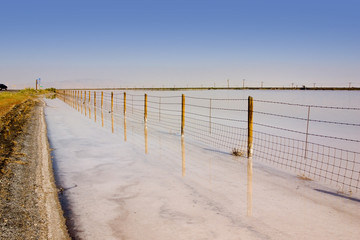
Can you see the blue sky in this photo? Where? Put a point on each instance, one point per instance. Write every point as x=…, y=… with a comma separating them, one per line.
x=108, y=43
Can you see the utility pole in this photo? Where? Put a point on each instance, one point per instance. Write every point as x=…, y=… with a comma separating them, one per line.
x=36, y=84
x=292, y=85
x=243, y=83
x=349, y=84
x=228, y=83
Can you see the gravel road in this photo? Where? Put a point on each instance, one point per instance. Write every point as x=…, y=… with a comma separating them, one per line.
x=29, y=206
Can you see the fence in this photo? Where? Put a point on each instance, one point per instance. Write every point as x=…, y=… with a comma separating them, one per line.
x=279, y=137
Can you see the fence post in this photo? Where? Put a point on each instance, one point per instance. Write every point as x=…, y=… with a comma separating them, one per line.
x=145, y=124
x=182, y=114
x=81, y=102
x=125, y=116
x=85, y=102
x=95, y=106
x=249, y=155
x=102, y=110
x=250, y=127
x=182, y=133
x=112, y=112
x=89, y=105
x=75, y=99
x=145, y=108
x=124, y=104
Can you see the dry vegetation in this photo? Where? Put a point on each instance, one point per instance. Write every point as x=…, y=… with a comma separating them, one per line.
x=237, y=152
x=10, y=99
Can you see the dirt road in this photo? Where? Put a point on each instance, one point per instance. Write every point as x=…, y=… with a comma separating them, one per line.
x=29, y=206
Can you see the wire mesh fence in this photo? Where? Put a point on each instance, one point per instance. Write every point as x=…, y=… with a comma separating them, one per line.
x=316, y=142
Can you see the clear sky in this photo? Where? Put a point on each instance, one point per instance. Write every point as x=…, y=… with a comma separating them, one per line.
x=118, y=43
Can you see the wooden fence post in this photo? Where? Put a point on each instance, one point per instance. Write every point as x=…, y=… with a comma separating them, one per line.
x=85, y=102
x=95, y=106
x=145, y=108
x=112, y=112
x=124, y=104
x=81, y=101
x=249, y=155
x=145, y=124
x=125, y=138
x=89, y=105
x=250, y=127
x=102, y=110
x=182, y=114
x=78, y=99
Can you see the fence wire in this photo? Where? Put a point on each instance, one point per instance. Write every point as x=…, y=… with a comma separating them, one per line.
x=311, y=140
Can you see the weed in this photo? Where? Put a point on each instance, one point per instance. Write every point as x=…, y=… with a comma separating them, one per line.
x=237, y=152
x=303, y=177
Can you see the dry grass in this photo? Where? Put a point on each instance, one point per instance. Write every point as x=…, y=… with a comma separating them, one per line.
x=9, y=99
x=237, y=152
x=303, y=177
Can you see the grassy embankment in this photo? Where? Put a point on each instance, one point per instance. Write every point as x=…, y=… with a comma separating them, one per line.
x=15, y=108
x=10, y=99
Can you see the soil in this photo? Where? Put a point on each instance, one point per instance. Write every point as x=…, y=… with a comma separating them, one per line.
x=29, y=205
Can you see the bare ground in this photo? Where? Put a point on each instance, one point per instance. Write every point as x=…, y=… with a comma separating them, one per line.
x=29, y=206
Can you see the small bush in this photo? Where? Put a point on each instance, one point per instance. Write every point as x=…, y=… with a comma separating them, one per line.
x=28, y=91
x=51, y=90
